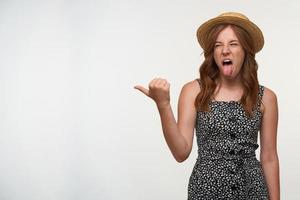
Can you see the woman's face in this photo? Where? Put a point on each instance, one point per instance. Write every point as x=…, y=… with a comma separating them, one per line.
x=228, y=53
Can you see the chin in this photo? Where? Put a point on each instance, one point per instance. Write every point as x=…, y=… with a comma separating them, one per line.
x=229, y=77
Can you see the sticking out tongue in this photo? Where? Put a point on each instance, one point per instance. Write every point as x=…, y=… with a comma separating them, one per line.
x=228, y=69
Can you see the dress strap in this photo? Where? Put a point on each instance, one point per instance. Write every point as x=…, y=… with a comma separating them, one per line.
x=198, y=80
x=260, y=95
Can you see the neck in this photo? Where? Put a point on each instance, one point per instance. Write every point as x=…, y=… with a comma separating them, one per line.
x=229, y=83
x=228, y=89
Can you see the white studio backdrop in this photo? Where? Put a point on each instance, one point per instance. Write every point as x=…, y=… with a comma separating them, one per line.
x=71, y=125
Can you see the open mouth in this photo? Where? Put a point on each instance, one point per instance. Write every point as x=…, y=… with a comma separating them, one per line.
x=227, y=62
x=227, y=67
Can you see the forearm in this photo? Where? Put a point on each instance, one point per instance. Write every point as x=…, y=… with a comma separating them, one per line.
x=172, y=135
x=271, y=172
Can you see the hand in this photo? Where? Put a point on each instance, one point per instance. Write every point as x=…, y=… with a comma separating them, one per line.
x=159, y=91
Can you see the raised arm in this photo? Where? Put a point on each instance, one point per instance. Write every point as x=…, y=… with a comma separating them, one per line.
x=268, y=139
x=178, y=135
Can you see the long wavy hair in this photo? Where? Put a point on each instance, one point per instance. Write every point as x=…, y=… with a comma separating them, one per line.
x=209, y=72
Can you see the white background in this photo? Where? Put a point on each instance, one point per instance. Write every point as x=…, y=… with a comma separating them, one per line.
x=71, y=124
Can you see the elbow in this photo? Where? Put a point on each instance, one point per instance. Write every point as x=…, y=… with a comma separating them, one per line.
x=181, y=155
x=181, y=158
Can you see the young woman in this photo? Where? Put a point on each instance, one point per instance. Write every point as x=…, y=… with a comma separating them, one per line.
x=227, y=107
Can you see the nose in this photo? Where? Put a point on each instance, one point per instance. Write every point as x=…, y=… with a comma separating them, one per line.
x=225, y=49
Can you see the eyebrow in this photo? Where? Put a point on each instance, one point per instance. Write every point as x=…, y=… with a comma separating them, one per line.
x=229, y=41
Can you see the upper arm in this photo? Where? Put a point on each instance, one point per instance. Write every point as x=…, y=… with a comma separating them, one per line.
x=268, y=131
x=187, y=111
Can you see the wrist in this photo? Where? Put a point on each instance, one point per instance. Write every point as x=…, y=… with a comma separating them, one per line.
x=163, y=106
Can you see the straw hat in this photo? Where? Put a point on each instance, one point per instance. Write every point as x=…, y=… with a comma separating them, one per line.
x=234, y=18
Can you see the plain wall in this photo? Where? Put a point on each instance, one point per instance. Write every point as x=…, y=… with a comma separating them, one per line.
x=71, y=125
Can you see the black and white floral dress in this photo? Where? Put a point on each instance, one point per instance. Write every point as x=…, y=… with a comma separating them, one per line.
x=227, y=167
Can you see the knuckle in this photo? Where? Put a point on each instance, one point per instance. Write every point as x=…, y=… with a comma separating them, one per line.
x=151, y=86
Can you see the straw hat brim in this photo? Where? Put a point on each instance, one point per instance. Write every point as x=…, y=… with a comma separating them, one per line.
x=251, y=28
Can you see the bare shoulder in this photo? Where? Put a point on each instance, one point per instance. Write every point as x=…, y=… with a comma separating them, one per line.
x=188, y=94
x=269, y=99
x=269, y=95
x=191, y=87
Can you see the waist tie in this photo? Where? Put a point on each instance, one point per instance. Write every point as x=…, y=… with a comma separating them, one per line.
x=231, y=155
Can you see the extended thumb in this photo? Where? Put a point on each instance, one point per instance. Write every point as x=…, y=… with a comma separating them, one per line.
x=142, y=89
